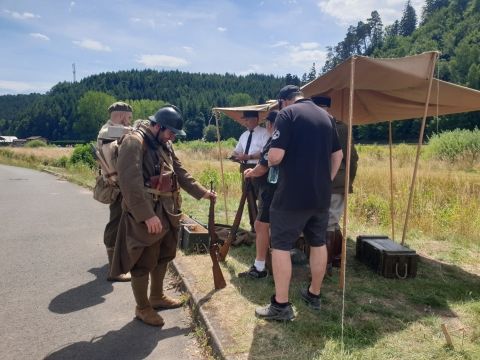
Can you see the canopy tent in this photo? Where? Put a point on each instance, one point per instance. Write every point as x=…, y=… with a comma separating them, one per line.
x=390, y=89
x=236, y=113
x=369, y=90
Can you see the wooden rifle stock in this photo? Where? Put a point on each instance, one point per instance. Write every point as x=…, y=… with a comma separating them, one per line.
x=222, y=254
x=251, y=202
x=218, y=278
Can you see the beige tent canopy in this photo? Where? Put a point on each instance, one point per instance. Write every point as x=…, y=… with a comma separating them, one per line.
x=236, y=113
x=390, y=89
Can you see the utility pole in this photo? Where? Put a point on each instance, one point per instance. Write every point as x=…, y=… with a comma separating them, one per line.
x=74, y=72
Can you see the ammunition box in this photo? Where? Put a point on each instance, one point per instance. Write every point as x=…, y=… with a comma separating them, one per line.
x=193, y=236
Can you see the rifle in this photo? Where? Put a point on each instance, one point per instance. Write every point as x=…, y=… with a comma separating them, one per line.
x=222, y=254
x=103, y=164
x=251, y=202
x=218, y=279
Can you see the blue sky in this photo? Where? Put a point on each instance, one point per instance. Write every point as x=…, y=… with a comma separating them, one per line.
x=40, y=40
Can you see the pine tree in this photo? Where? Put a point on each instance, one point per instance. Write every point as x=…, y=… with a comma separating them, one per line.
x=408, y=23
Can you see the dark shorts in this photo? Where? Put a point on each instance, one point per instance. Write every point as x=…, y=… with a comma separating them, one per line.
x=265, y=196
x=286, y=227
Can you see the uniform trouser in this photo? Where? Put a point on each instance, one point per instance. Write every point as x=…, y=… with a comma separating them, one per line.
x=110, y=233
x=335, y=211
x=160, y=253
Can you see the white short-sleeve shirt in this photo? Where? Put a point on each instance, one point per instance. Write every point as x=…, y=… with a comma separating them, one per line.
x=259, y=139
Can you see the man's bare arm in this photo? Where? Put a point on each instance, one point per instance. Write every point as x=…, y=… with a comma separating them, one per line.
x=336, y=160
x=275, y=156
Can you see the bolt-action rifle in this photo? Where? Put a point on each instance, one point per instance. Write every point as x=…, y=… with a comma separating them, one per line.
x=236, y=223
x=107, y=171
x=218, y=279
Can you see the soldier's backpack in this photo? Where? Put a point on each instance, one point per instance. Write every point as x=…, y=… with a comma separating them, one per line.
x=106, y=188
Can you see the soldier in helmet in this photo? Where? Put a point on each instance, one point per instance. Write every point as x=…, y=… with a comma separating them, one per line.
x=120, y=118
x=150, y=176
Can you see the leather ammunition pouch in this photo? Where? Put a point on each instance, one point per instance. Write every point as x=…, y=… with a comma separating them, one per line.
x=166, y=182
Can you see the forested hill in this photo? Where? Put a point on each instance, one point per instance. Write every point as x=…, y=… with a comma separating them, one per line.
x=59, y=114
x=449, y=26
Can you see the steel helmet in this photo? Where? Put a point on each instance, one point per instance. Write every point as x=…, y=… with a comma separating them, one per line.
x=169, y=117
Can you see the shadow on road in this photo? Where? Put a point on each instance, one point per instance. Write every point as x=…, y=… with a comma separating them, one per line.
x=83, y=296
x=134, y=341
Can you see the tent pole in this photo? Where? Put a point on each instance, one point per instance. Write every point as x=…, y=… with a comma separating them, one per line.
x=221, y=166
x=390, y=141
x=419, y=146
x=347, y=174
x=347, y=182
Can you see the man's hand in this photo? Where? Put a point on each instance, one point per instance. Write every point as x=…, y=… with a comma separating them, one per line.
x=154, y=225
x=248, y=173
x=210, y=195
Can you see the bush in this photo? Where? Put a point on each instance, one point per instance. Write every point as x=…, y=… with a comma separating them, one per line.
x=82, y=154
x=61, y=162
x=210, y=133
x=456, y=146
x=35, y=144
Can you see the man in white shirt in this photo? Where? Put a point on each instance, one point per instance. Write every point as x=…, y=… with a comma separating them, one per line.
x=248, y=151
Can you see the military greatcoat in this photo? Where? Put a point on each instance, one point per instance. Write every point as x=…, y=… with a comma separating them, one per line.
x=139, y=158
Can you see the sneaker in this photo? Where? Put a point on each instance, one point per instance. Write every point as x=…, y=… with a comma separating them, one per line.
x=253, y=273
x=275, y=312
x=313, y=302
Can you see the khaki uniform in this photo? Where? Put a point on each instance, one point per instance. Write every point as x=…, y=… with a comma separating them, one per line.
x=136, y=250
x=110, y=233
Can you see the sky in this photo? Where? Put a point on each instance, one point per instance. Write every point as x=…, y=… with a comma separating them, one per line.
x=40, y=40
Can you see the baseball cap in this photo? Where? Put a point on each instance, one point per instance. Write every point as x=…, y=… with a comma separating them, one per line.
x=286, y=91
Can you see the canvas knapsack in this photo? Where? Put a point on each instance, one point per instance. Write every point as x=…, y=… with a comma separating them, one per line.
x=106, y=188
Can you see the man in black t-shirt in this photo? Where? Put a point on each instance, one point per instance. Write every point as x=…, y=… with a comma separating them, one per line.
x=265, y=194
x=305, y=146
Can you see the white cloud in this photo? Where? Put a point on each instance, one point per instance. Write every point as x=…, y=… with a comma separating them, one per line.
x=309, y=45
x=279, y=44
x=221, y=29
x=92, y=45
x=22, y=16
x=305, y=54
x=188, y=49
x=158, y=60
x=39, y=36
x=9, y=87
x=349, y=12
x=253, y=68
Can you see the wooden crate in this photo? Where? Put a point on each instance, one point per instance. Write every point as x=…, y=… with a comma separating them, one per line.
x=387, y=257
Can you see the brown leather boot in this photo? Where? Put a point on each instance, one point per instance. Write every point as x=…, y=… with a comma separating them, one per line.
x=143, y=310
x=121, y=277
x=337, y=249
x=158, y=300
x=330, y=239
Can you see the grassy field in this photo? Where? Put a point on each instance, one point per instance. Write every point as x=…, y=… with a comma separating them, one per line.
x=383, y=319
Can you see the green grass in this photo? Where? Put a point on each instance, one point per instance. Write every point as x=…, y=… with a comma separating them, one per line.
x=384, y=318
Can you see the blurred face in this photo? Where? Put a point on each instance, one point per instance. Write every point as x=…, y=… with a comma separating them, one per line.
x=166, y=135
x=251, y=123
x=269, y=126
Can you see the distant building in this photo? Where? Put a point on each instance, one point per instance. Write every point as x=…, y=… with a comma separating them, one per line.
x=7, y=140
x=41, y=138
x=19, y=142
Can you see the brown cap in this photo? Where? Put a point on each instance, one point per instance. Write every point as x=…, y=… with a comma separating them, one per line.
x=119, y=106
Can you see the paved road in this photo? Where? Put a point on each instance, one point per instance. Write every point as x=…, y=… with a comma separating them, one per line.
x=55, y=301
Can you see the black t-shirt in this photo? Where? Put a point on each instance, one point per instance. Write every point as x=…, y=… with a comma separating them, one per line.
x=308, y=136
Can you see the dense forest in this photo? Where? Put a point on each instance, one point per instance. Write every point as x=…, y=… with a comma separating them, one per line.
x=76, y=110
